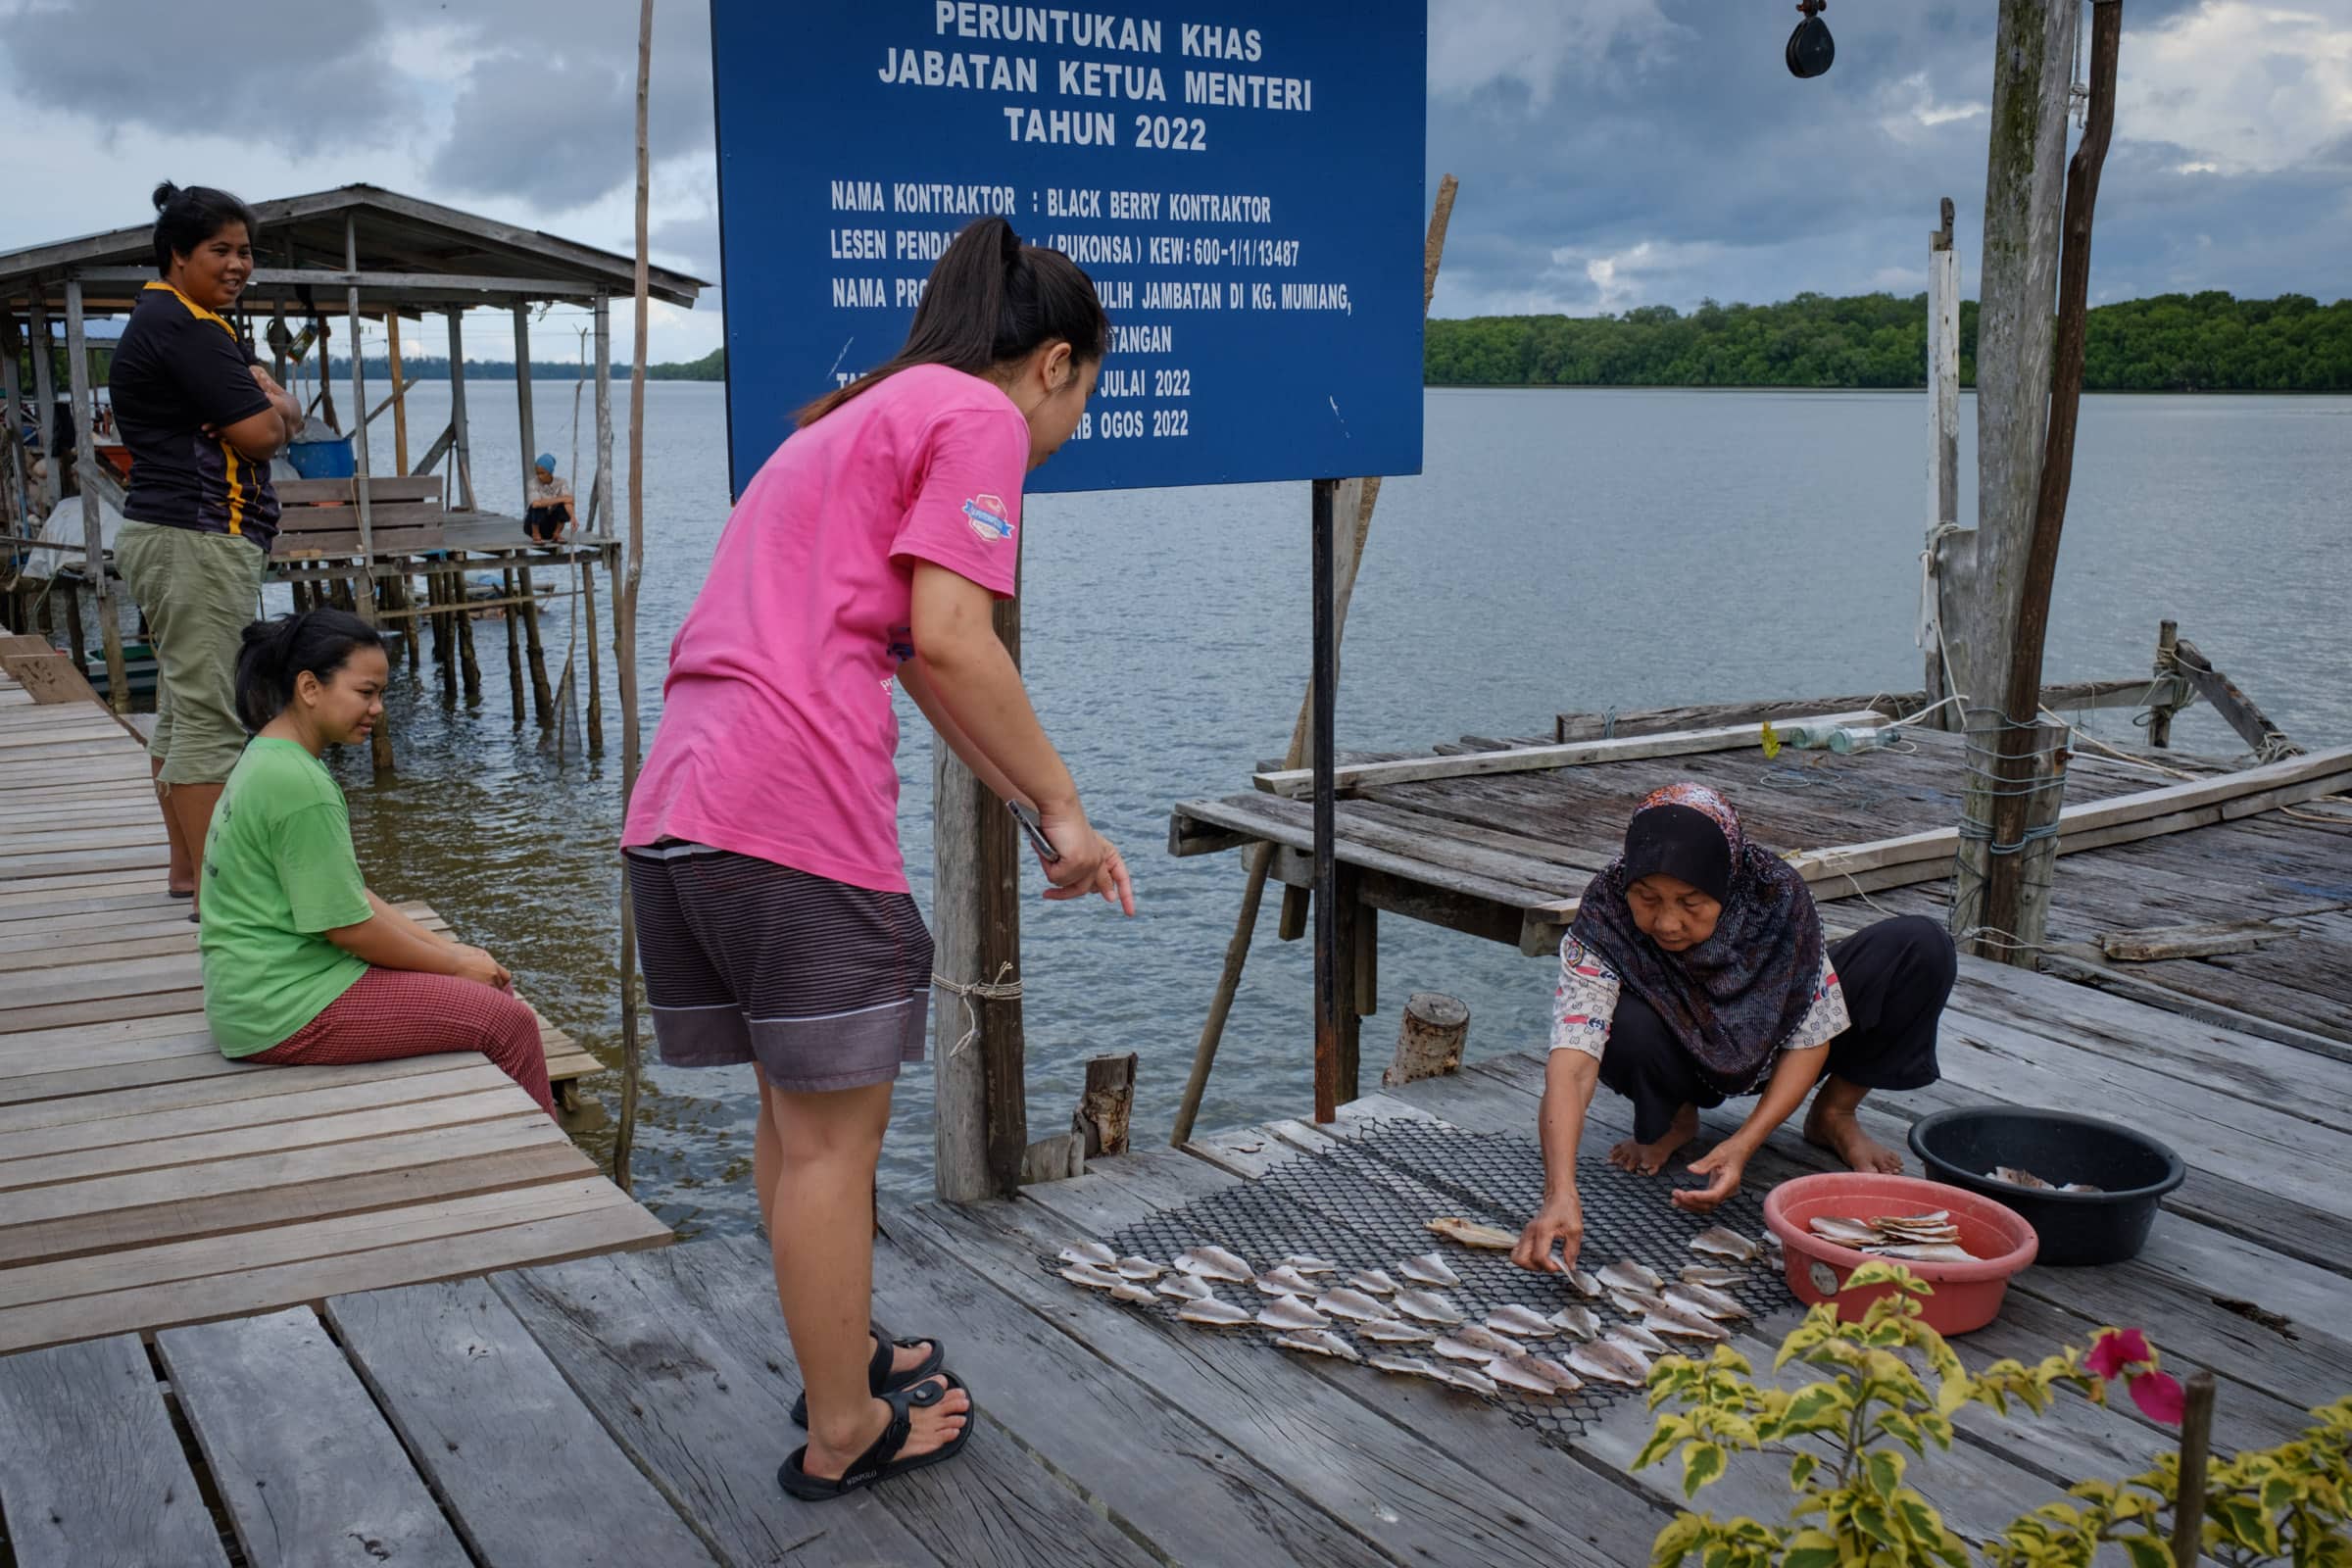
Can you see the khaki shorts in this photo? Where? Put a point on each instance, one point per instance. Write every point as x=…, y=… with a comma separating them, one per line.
x=199, y=592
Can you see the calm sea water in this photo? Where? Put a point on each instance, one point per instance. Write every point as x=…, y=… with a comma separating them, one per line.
x=1570, y=550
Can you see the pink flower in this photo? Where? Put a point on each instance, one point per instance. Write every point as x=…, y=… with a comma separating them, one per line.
x=2158, y=1396
x=2117, y=1348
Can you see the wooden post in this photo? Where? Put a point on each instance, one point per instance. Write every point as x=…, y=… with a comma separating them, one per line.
x=2160, y=716
x=624, y=607
x=2022, y=771
x=399, y=392
x=600, y=499
x=1429, y=1038
x=1943, y=453
x=1106, y=1104
x=513, y=615
x=1984, y=568
x=445, y=636
x=12, y=393
x=74, y=636
x=525, y=413
x=380, y=737
x=543, y=697
x=596, y=694
x=2197, y=1446
x=460, y=441
x=85, y=457
x=2009, y=886
x=44, y=394
x=467, y=667
x=2265, y=740
x=980, y=1098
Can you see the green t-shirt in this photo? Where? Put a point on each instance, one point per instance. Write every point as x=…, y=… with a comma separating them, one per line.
x=279, y=871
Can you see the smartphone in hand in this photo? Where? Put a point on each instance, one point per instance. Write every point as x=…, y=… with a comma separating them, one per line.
x=1035, y=829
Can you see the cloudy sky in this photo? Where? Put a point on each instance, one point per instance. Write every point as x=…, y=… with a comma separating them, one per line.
x=1612, y=152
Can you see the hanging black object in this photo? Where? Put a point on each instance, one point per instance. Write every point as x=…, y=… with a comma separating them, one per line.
x=1810, y=47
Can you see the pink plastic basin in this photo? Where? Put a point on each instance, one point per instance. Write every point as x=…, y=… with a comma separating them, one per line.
x=1968, y=1296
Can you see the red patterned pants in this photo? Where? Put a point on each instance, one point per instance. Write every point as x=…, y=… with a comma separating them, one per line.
x=389, y=1013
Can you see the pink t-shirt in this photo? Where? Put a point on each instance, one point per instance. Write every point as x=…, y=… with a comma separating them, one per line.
x=778, y=737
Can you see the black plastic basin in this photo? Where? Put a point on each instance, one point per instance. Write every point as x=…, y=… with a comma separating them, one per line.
x=2131, y=1170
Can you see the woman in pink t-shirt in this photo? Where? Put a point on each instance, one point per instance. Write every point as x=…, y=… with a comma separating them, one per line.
x=772, y=899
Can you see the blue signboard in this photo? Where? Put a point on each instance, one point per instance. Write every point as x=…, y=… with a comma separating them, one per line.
x=1245, y=192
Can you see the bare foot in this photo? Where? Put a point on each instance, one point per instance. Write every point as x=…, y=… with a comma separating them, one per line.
x=1841, y=1134
x=1651, y=1159
x=932, y=1429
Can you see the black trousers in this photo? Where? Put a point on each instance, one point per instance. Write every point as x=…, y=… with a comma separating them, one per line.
x=1895, y=976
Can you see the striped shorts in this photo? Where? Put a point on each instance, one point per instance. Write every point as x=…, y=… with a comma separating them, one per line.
x=824, y=985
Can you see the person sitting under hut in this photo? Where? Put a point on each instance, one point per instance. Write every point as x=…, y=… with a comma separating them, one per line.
x=1695, y=971
x=303, y=966
x=550, y=517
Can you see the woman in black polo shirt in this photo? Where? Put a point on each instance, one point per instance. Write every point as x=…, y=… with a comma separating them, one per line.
x=202, y=420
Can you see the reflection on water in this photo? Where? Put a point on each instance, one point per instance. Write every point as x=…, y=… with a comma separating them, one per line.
x=1565, y=550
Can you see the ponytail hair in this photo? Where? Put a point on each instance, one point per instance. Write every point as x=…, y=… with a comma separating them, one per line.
x=187, y=218
x=991, y=300
x=277, y=653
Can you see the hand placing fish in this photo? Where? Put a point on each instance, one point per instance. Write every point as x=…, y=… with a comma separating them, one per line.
x=1470, y=1233
x=1724, y=1167
x=1559, y=1224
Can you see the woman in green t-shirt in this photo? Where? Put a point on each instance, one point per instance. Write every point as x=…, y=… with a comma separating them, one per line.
x=302, y=965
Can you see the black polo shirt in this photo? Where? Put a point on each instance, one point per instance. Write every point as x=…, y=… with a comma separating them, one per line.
x=177, y=368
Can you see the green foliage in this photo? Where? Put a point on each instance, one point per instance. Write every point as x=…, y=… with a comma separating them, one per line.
x=1888, y=1387
x=2208, y=342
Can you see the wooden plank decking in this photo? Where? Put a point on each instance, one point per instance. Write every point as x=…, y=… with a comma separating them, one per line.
x=144, y=1179
x=1112, y=1435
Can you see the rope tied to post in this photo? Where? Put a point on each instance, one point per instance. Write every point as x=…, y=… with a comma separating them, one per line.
x=998, y=990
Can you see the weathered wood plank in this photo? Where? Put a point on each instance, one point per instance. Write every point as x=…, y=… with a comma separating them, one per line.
x=305, y=1465
x=148, y=1124
x=91, y=1473
x=530, y=1473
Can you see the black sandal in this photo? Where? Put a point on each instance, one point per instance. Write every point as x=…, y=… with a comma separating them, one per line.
x=880, y=1461
x=879, y=1379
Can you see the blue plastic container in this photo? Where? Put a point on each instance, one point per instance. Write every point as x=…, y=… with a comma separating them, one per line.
x=329, y=458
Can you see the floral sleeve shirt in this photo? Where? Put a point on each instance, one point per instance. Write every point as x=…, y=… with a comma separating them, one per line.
x=1585, y=1002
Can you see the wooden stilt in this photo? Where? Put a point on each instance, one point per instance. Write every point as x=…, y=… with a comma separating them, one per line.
x=467, y=666
x=596, y=694
x=543, y=697
x=414, y=626
x=514, y=620
x=445, y=638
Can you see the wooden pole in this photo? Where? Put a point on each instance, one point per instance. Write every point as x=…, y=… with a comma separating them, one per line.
x=400, y=393
x=44, y=395
x=11, y=441
x=2025, y=169
x=460, y=441
x=600, y=508
x=2160, y=716
x=1944, y=452
x=468, y=668
x=543, y=697
x=596, y=694
x=526, y=413
x=625, y=612
x=379, y=744
x=2196, y=1447
x=2007, y=888
x=85, y=457
x=513, y=620
x=1262, y=855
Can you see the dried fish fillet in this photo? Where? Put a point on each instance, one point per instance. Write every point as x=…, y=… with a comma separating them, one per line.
x=1354, y=1304
x=1635, y=1302
x=1718, y=1241
x=1215, y=1264
x=1485, y=1338
x=1634, y=1337
x=1140, y=1269
x=1214, y=1313
x=1845, y=1231
x=1513, y=1375
x=1576, y=1320
x=1095, y=1279
x=1316, y=1342
x=1395, y=1331
x=1717, y=1276
x=1372, y=1282
x=1703, y=1300
x=1607, y=1361
x=1092, y=1254
x=1289, y=1312
x=1676, y=1324
x=1630, y=1276
x=1585, y=1284
x=1523, y=1321
x=1429, y=1269
x=1307, y=1263
x=1926, y=1253
x=1427, y=1306
x=1543, y=1366
x=1462, y=1377
x=1187, y=1287
x=1456, y=1349
x=1470, y=1233
x=1411, y=1366
x=1285, y=1281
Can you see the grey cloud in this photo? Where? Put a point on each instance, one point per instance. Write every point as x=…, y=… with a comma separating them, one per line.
x=292, y=74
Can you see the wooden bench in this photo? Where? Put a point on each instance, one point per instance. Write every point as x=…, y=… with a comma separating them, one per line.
x=321, y=517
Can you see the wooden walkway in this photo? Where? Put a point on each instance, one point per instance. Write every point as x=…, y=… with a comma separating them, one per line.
x=421, y=1423
x=144, y=1179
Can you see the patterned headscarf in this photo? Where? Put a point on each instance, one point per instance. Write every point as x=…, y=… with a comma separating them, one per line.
x=1732, y=1000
